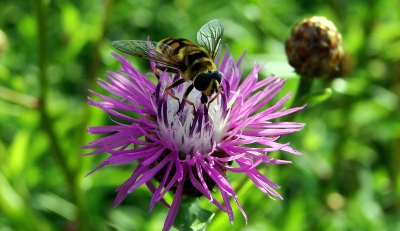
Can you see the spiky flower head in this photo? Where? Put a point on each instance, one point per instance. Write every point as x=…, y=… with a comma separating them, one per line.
x=191, y=153
x=314, y=47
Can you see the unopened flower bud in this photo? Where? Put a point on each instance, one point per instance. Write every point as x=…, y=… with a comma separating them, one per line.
x=314, y=47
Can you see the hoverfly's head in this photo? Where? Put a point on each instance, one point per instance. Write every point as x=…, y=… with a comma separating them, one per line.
x=208, y=82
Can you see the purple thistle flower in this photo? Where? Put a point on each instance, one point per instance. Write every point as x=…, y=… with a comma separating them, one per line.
x=190, y=153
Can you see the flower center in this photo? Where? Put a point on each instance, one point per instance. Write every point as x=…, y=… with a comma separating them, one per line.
x=189, y=135
x=190, y=132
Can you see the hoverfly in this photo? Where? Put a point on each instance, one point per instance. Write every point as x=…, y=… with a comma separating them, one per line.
x=191, y=61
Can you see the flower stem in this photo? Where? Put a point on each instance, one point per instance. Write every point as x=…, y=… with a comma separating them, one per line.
x=94, y=67
x=47, y=123
x=303, y=90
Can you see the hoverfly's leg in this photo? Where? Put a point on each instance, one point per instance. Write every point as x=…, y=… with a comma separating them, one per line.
x=174, y=84
x=163, y=68
x=155, y=71
x=215, y=97
x=204, y=98
x=187, y=92
x=167, y=69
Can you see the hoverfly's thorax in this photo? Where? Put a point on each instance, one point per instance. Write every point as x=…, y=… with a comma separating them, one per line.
x=178, y=45
x=197, y=61
x=193, y=58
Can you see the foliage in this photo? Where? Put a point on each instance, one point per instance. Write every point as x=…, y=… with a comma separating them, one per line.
x=53, y=51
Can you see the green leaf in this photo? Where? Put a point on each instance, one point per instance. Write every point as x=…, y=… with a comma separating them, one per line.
x=56, y=204
x=192, y=217
x=18, y=153
x=318, y=97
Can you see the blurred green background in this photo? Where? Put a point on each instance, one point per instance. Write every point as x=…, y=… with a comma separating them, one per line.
x=51, y=52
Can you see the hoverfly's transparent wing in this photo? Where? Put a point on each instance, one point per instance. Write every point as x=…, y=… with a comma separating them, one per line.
x=210, y=36
x=158, y=52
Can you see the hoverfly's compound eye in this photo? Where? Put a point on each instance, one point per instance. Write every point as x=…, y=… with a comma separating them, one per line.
x=217, y=75
x=202, y=81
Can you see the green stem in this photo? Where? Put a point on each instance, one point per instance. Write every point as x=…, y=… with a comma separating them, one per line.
x=94, y=67
x=47, y=122
x=303, y=89
x=93, y=71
